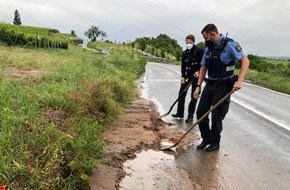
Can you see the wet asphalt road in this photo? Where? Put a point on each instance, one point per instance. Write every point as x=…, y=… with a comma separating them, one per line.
x=255, y=144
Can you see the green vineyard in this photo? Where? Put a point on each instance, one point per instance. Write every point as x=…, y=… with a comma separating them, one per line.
x=28, y=36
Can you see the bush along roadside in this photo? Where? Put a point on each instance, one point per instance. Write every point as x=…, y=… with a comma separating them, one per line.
x=273, y=74
x=54, y=107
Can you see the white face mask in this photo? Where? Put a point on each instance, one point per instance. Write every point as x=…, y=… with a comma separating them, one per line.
x=189, y=46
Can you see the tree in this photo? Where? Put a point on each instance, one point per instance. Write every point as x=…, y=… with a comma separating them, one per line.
x=17, y=20
x=133, y=45
x=73, y=33
x=142, y=44
x=161, y=45
x=201, y=45
x=94, y=32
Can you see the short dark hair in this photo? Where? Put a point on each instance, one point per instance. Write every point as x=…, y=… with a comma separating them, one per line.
x=191, y=37
x=209, y=28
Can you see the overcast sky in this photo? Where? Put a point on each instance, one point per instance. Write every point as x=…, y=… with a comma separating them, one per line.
x=262, y=27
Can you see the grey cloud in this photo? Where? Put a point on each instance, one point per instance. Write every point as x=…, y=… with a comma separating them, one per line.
x=261, y=26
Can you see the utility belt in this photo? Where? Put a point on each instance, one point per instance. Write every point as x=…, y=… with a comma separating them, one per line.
x=219, y=81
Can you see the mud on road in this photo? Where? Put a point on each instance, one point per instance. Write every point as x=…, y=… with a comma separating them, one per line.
x=139, y=128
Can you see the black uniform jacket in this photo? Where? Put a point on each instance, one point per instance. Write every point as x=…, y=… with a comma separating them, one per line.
x=190, y=61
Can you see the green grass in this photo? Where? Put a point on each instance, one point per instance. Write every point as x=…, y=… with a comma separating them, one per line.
x=277, y=82
x=273, y=74
x=52, y=121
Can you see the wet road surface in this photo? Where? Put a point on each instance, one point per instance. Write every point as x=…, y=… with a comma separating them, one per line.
x=254, y=154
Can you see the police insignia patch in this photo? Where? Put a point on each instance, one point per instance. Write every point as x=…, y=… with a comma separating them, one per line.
x=238, y=47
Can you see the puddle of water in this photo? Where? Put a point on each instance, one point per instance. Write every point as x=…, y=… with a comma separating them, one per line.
x=146, y=169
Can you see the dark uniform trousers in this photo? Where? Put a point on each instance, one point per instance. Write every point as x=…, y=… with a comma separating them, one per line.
x=181, y=102
x=211, y=94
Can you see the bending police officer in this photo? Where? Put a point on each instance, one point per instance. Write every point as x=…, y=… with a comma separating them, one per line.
x=218, y=62
x=190, y=65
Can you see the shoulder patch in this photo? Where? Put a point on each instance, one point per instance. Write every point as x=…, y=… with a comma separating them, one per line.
x=238, y=47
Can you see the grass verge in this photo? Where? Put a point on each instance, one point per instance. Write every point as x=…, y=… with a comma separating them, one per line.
x=53, y=108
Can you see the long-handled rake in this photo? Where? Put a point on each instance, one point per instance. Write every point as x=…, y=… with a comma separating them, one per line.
x=180, y=95
x=169, y=145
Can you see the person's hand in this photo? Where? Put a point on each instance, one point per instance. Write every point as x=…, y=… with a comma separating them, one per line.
x=238, y=85
x=182, y=80
x=196, y=74
x=196, y=93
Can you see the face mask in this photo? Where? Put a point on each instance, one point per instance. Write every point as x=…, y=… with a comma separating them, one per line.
x=209, y=43
x=189, y=46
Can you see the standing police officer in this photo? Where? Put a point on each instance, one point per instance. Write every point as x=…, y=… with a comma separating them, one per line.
x=218, y=61
x=190, y=65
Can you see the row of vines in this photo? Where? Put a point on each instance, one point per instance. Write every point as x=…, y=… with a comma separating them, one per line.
x=15, y=38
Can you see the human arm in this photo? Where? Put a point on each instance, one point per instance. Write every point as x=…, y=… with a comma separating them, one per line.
x=183, y=65
x=202, y=73
x=183, y=69
x=243, y=71
x=200, y=53
x=236, y=51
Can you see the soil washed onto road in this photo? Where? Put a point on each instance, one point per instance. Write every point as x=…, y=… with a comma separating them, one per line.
x=133, y=157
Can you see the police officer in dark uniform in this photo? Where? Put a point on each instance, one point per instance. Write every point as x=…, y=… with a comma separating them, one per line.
x=190, y=65
x=218, y=62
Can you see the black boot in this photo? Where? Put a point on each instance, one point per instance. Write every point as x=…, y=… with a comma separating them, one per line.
x=189, y=119
x=177, y=115
x=202, y=145
x=213, y=147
